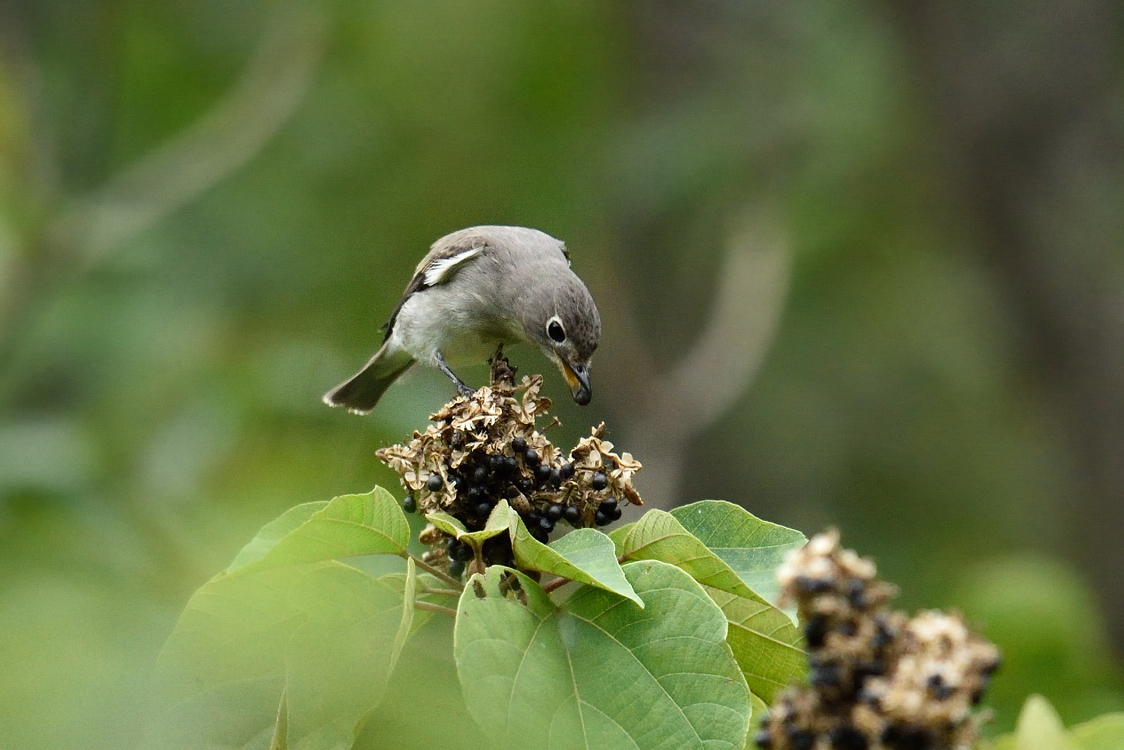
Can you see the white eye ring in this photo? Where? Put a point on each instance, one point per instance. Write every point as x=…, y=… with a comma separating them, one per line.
x=555, y=330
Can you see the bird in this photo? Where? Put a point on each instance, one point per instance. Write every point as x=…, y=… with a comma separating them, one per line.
x=476, y=289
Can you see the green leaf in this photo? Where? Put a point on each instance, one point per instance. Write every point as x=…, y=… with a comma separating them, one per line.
x=1102, y=733
x=1040, y=728
x=497, y=523
x=599, y=672
x=583, y=555
x=424, y=580
x=764, y=642
x=339, y=661
x=287, y=656
x=751, y=547
x=274, y=531
x=221, y=673
x=618, y=535
x=760, y=711
x=348, y=526
x=659, y=536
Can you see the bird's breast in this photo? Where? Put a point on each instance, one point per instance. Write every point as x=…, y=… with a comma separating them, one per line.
x=460, y=326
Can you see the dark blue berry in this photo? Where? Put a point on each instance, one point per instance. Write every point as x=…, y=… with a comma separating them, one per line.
x=901, y=737
x=815, y=630
x=409, y=504
x=601, y=519
x=531, y=457
x=565, y=472
x=599, y=481
x=434, y=483
x=763, y=739
x=518, y=445
x=510, y=465
x=539, y=534
x=938, y=688
x=480, y=475
x=554, y=512
x=555, y=477
x=856, y=593
x=543, y=473
x=847, y=738
x=496, y=463
x=813, y=585
x=546, y=524
x=456, y=568
x=573, y=514
x=801, y=739
x=608, y=506
x=483, y=508
x=825, y=674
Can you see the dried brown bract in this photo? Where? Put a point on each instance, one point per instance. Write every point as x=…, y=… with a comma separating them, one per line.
x=878, y=679
x=485, y=448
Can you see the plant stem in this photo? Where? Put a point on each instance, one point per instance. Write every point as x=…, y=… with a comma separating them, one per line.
x=555, y=584
x=436, y=608
x=441, y=592
x=437, y=572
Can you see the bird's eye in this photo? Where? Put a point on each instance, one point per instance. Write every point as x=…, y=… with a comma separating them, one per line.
x=555, y=331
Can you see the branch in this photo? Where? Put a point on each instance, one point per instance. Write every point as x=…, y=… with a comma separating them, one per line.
x=720, y=364
x=437, y=572
x=222, y=141
x=436, y=608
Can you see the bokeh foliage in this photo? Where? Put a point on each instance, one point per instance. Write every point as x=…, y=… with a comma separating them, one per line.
x=159, y=397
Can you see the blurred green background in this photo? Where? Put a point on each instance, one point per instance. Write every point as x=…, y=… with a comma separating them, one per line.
x=860, y=264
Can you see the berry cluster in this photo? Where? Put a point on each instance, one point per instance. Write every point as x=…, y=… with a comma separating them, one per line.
x=484, y=448
x=878, y=680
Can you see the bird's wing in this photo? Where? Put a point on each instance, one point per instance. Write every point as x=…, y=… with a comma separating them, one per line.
x=436, y=268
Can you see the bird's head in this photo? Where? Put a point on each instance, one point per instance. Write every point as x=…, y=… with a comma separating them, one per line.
x=564, y=322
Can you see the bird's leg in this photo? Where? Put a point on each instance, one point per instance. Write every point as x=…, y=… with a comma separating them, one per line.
x=462, y=387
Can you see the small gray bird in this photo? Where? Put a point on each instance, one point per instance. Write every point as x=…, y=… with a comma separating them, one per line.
x=476, y=289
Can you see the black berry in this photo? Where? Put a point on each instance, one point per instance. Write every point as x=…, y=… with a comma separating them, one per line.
x=763, y=739
x=480, y=475
x=519, y=445
x=456, y=567
x=601, y=519
x=566, y=472
x=409, y=504
x=434, y=483
x=573, y=514
x=599, y=481
x=483, y=508
x=856, y=593
x=546, y=524
x=531, y=457
x=815, y=631
x=543, y=473
x=554, y=512
x=801, y=739
x=848, y=738
x=938, y=688
x=608, y=507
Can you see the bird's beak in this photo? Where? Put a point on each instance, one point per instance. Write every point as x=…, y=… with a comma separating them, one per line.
x=577, y=377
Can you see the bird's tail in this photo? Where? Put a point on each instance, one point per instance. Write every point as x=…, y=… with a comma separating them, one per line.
x=364, y=389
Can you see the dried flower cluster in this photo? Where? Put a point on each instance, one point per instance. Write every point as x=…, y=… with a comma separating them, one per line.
x=484, y=448
x=879, y=680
